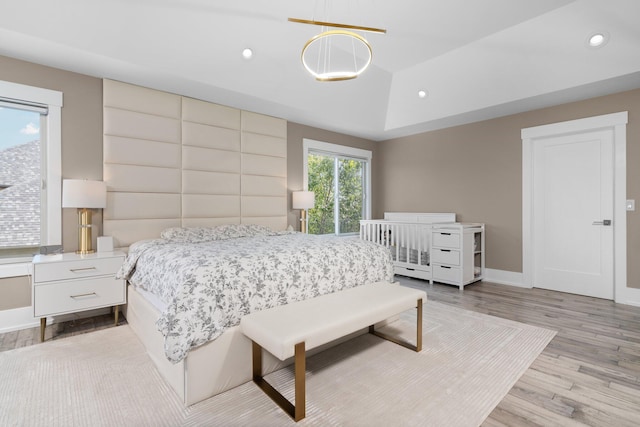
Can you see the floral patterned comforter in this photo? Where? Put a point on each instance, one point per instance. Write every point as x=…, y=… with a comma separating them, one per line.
x=210, y=280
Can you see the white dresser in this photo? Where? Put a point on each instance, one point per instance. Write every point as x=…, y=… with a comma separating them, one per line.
x=457, y=253
x=69, y=283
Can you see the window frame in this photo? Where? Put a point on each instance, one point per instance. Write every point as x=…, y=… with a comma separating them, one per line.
x=51, y=152
x=320, y=147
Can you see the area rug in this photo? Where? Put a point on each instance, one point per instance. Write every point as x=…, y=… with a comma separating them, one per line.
x=469, y=362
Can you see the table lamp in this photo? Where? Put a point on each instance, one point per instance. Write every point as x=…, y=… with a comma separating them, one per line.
x=303, y=200
x=84, y=195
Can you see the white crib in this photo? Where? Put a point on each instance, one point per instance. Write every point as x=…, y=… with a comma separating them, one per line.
x=407, y=235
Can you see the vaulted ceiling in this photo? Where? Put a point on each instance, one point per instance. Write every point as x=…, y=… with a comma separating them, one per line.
x=475, y=59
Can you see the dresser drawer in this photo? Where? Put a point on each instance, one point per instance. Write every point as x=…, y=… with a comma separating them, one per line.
x=445, y=256
x=77, y=295
x=443, y=273
x=445, y=239
x=64, y=270
x=412, y=272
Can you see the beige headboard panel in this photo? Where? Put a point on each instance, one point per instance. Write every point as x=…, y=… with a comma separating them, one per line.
x=176, y=161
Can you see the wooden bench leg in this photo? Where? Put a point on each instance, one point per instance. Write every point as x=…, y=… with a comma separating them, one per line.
x=300, y=371
x=419, y=326
x=43, y=325
x=418, y=346
x=298, y=411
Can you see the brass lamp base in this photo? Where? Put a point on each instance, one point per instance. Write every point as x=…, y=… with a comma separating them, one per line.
x=84, y=232
x=303, y=220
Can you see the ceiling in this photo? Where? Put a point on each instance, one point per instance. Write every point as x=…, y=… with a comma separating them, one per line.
x=476, y=59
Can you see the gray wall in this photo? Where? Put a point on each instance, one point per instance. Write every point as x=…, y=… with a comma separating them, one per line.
x=81, y=148
x=475, y=170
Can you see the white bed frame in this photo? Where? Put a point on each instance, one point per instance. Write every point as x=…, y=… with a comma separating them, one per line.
x=408, y=236
x=207, y=370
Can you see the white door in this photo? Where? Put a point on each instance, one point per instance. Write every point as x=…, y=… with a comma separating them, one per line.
x=573, y=213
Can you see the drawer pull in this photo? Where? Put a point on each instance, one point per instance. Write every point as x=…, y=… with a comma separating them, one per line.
x=410, y=269
x=444, y=250
x=83, y=295
x=446, y=234
x=81, y=270
x=444, y=266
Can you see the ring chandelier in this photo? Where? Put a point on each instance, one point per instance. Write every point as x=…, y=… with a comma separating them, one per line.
x=337, y=54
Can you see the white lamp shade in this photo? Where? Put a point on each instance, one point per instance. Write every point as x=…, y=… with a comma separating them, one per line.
x=80, y=193
x=304, y=199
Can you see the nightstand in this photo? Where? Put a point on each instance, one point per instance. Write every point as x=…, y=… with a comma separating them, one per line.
x=70, y=283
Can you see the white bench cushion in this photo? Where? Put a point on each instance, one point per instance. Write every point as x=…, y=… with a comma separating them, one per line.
x=328, y=317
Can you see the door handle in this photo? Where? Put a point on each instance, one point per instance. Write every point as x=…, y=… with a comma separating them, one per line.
x=603, y=222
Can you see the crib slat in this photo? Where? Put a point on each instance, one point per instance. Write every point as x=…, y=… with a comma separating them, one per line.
x=409, y=243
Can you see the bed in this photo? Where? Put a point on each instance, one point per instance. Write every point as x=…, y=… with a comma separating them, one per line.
x=190, y=288
x=407, y=235
x=173, y=162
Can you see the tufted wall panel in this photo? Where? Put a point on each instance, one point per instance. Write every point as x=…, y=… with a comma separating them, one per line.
x=210, y=164
x=176, y=161
x=264, y=170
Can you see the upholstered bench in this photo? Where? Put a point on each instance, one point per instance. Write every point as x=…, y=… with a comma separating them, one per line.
x=292, y=329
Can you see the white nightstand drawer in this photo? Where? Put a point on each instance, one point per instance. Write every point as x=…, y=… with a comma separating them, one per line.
x=446, y=240
x=74, y=269
x=446, y=274
x=77, y=295
x=445, y=256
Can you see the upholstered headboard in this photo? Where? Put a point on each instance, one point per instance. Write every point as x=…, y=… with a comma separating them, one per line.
x=174, y=161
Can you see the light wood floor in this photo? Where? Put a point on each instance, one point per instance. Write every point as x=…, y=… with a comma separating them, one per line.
x=589, y=374
x=31, y=336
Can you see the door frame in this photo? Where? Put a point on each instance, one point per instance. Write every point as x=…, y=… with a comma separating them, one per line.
x=616, y=122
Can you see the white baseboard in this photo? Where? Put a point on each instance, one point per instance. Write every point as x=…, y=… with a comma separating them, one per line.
x=502, y=277
x=18, y=318
x=629, y=296
x=22, y=318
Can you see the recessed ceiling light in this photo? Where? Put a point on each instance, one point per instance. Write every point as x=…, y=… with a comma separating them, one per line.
x=598, y=39
x=247, y=53
x=422, y=93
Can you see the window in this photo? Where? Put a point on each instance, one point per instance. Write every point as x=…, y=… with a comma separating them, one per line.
x=340, y=177
x=20, y=177
x=30, y=175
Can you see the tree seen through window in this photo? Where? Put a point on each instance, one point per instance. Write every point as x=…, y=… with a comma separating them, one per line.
x=338, y=201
